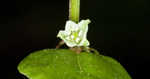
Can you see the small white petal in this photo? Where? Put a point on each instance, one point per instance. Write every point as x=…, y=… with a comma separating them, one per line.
x=70, y=25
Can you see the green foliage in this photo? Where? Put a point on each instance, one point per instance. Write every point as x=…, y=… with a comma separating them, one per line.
x=66, y=64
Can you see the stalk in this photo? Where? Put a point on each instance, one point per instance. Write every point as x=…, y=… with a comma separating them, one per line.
x=74, y=10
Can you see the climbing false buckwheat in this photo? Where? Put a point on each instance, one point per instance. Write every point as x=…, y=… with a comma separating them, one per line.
x=75, y=34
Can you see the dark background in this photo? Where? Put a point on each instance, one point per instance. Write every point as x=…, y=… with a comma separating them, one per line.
x=119, y=28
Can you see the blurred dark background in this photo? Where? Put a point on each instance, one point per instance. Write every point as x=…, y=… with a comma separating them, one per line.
x=119, y=28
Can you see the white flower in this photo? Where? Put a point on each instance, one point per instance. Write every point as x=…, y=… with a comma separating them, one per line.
x=75, y=34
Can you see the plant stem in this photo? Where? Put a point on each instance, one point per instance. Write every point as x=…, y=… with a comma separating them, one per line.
x=74, y=10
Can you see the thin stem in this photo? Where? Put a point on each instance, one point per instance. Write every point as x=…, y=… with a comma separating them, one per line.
x=60, y=44
x=74, y=10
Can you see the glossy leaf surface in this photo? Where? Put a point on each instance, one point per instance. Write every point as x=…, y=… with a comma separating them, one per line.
x=66, y=64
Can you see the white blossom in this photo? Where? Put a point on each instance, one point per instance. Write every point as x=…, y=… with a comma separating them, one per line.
x=75, y=34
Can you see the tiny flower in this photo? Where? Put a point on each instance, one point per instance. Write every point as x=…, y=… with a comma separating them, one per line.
x=75, y=34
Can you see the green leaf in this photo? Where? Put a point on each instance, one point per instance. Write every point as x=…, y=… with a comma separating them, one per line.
x=66, y=64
